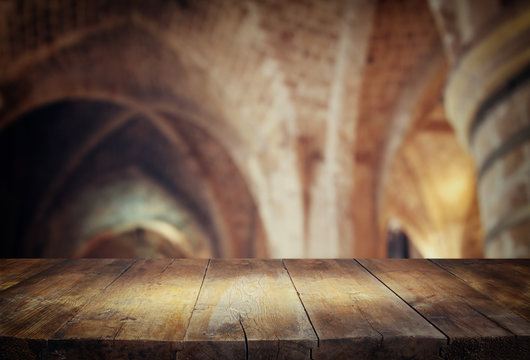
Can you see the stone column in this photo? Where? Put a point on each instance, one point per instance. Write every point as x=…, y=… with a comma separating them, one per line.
x=487, y=99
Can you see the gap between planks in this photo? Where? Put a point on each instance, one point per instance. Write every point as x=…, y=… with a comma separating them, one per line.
x=305, y=310
x=412, y=307
x=92, y=297
x=302, y=303
x=197, y=298
x=458, y=278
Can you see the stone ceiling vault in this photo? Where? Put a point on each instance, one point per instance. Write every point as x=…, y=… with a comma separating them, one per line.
x=290, y=126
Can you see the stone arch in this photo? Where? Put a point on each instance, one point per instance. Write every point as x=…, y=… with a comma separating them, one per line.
x=182, y=77
x=241, y=211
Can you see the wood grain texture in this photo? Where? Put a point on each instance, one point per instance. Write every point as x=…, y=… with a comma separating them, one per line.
x=13, y=271
x=248, y=309
x=355, y=315
x=477, y=327
x=145, y=311
x=33, y=310
x=505, y=281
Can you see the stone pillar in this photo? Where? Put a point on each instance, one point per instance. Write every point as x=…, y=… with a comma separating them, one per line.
x=487, y=99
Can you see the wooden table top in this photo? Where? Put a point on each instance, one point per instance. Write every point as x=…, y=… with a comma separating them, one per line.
x=264, y=309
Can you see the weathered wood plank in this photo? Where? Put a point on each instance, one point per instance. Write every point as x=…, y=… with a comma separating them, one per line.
x=13, y=271
x=32, y=311
x=477, y=327
x=248, y=309
x=355, y=315
x=145, y=311
x=505, y=281
x=113, y=309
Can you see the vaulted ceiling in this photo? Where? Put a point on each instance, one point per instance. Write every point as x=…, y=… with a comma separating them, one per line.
x=229, y=128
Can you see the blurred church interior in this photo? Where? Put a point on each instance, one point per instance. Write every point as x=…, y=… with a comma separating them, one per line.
x=271, y=128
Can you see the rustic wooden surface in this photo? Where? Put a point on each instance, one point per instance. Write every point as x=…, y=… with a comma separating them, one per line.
x=251, y=307
x=151, y=303
x=34, y=309
x=367, y=318
x=505, y=286
x=264, y=309
x=15, y=270
x=472, y=321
